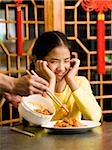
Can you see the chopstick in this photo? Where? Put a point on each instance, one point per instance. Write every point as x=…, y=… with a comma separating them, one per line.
x=28, y=72
x=56, y=100
x=51, y=95
x=33, y=72
x=22, y=131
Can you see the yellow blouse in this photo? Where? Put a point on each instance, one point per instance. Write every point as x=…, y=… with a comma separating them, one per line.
x=80, y=102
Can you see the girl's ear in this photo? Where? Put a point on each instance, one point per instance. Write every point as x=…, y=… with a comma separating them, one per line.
x=33, y=58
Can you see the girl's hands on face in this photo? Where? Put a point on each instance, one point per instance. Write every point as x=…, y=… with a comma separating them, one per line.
x=43, y=70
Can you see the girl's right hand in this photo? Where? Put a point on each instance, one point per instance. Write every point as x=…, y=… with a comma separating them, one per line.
x=43, y=70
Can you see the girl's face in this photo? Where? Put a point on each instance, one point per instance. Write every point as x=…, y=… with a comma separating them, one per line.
x=59, y=61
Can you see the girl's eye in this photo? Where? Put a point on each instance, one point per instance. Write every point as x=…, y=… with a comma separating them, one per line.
x=54, y=62
x=68, y=60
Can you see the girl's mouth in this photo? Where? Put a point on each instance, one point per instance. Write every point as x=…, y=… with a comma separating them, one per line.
x=60, y=75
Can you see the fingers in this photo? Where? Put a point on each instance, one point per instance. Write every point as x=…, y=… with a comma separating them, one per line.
x=75, y=62
x=37, y=85
x=40, y=80
x=43, y=70
x=74, y=69
x=36, y=91
x=40, y=65
x=13, y=99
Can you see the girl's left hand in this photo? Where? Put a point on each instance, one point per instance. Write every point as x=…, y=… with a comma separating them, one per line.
x=71, y=74
x=74, y=69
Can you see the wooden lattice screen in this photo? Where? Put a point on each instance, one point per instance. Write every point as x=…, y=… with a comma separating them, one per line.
x=80, y=28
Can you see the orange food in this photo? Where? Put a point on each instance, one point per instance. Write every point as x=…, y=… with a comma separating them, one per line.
x=68, y=122
x=64, y=111
x=43, y=111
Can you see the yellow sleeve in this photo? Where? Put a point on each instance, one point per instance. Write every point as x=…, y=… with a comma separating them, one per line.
x=86, y=101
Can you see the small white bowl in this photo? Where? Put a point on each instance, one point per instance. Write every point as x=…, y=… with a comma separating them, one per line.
x=30, y=103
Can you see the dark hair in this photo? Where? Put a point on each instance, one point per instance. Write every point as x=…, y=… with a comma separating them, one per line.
x=48, y=41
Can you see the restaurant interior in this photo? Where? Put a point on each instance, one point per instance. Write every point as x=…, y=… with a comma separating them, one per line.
x=88, y=27
x=24, y=20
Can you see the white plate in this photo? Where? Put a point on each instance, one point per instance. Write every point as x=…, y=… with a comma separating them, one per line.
x=86, y=125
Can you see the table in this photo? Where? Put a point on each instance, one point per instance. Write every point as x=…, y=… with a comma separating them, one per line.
x=99, y=138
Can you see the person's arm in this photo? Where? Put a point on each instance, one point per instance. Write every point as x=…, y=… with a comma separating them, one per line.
x=86, y=101
x=25, y=85
x=82, y=93
x=13, y=88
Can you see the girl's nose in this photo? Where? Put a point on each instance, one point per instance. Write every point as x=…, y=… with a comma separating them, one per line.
x=61, y=66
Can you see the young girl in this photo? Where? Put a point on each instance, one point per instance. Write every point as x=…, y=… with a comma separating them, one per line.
x=52, y=61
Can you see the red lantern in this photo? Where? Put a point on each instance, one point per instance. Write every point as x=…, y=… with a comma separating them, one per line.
x=19, y=43
x=99, y=6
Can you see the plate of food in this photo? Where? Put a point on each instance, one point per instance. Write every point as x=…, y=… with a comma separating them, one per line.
x=71, y=125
